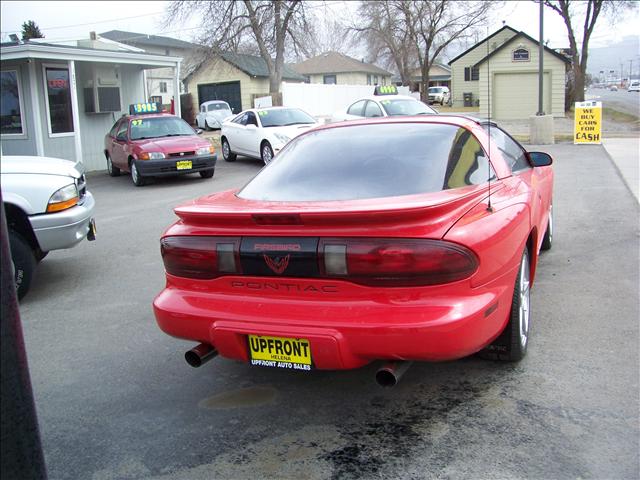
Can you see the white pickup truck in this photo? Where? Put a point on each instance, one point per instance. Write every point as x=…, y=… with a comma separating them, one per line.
x=47, y=206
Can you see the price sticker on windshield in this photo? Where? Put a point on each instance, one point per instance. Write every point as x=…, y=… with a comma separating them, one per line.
x=263, y=113
x=136, y=123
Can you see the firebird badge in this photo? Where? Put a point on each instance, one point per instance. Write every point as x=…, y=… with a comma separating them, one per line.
x=278, y=265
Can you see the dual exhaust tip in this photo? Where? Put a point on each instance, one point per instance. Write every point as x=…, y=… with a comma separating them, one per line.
x=387, y=376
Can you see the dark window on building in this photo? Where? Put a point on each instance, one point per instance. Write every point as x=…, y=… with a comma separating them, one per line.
x=329, y=80
x=368, y=79
x=521, y=55
x=163, y=87
x=307, y=79
x=11, y=117
x=471, y=74
x=59, y=100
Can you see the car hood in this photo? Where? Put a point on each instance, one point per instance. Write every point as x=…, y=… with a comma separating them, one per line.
x=219, y=115
x=172, y=144
x=41, y=165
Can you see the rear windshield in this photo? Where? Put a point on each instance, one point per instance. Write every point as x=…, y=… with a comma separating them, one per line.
x=406, y=106
x=284, y=116
x=217, y=106
x=371, y=161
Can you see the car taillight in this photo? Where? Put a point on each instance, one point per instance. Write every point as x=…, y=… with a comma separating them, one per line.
x=200, y=257
x=395, y=262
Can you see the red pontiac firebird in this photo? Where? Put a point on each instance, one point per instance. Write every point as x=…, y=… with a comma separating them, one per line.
x=414, y=238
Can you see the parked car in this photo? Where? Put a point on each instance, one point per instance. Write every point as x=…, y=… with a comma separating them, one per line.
x=155, y=145
x=439, y=95
x=381, y=239
x=262, y=133
x=212, y=114
x=382, y=105
x=47, y=206
x=634, y=87
x=613, y=88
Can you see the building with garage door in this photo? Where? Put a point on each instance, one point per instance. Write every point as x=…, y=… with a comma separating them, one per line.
x=235, y=78
x=502, y=72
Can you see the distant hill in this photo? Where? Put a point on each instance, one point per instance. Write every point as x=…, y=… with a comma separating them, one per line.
x=610, y=57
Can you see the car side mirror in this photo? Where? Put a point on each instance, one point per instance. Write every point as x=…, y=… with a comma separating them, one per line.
x=198, y=131
x=540, y=159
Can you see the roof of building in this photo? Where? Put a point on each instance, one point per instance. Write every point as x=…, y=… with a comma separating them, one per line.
x=252, y=65
x=334, y=62
x=523, y=35
x=506, y=27
x=146, y=39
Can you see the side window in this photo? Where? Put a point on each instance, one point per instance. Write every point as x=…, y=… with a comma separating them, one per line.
x=122, y=131
x=212, y=107
x=114, y=129
x=251, y=119
x=241, y=119
x=372, y=110
x=467, y=164
x=513, y=153
x=202, y=108
x=356, y=108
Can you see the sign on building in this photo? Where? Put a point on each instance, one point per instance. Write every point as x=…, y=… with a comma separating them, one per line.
x=588, y=123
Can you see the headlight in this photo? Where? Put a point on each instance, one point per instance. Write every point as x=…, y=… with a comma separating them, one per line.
x=206, y=150
x=283, y=138
x=64, y=198
x=151, y=156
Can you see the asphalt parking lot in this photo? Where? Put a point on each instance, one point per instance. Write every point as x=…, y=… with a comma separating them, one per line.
x=116, y=400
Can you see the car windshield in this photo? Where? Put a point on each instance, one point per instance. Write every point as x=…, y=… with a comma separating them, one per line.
x=371, y=161
x=435, y=90
x=153, y=127
x=284, y=116
x=218, y=106
x=405, y=106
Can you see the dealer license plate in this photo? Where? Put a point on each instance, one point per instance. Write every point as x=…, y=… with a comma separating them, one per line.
x=279, y=352
x=183, y=165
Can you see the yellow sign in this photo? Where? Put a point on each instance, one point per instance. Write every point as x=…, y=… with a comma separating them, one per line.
x=280, y=352
x=588, y=123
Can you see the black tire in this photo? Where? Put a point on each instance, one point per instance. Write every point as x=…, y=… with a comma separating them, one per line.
x=206, y=126
x=111, y=168
x=138, y=180
x=511, y=345
x=39, y=254
x=207, y=173
x=266, y=152
x=547, y=241
x=227, y=154
x=24, y=262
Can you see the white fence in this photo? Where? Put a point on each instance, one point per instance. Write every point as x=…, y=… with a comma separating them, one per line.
x=323, y=100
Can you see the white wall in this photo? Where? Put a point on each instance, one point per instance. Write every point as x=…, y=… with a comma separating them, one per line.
x=322, y=100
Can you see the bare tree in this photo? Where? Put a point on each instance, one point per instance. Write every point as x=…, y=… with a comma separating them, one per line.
x=266, y=27
x=569, y=10
x=386, y=37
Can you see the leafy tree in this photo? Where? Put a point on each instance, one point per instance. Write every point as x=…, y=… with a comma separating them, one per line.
x=269, y=28
x=30, y=30
x=591, y=10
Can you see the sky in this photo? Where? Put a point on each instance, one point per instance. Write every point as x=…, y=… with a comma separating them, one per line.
x=64, y=20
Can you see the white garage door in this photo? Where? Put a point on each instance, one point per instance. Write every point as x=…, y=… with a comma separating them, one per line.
x=515, y=95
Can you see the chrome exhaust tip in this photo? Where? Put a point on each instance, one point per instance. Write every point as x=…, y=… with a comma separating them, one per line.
x=391, y=372
x=200, y=354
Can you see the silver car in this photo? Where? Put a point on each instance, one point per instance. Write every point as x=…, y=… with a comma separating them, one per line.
x=212, y=114
x=48, y=207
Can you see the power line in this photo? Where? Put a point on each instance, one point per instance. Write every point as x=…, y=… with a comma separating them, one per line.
x=86, y=24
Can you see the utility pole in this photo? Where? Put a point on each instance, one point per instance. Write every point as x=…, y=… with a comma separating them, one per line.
x=540, y=62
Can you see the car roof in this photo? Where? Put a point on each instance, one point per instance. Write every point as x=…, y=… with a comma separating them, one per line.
x=386, y=97
x=148, y=115
x=214, y=101
x=464, y=121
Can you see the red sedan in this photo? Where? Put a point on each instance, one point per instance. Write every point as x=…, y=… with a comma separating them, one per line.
x=156, y=145
x=390, y=239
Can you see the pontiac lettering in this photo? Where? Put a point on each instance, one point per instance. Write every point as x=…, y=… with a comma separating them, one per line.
x=284, y=287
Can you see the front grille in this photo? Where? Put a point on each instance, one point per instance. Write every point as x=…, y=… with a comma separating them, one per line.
x=182, y=154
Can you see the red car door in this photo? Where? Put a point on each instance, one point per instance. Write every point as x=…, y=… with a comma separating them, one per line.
x=119, y=154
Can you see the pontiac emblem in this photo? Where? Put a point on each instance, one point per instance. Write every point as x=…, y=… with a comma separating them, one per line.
x=278, y=265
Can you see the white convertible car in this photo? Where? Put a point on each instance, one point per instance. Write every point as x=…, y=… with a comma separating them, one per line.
x=263, y=132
